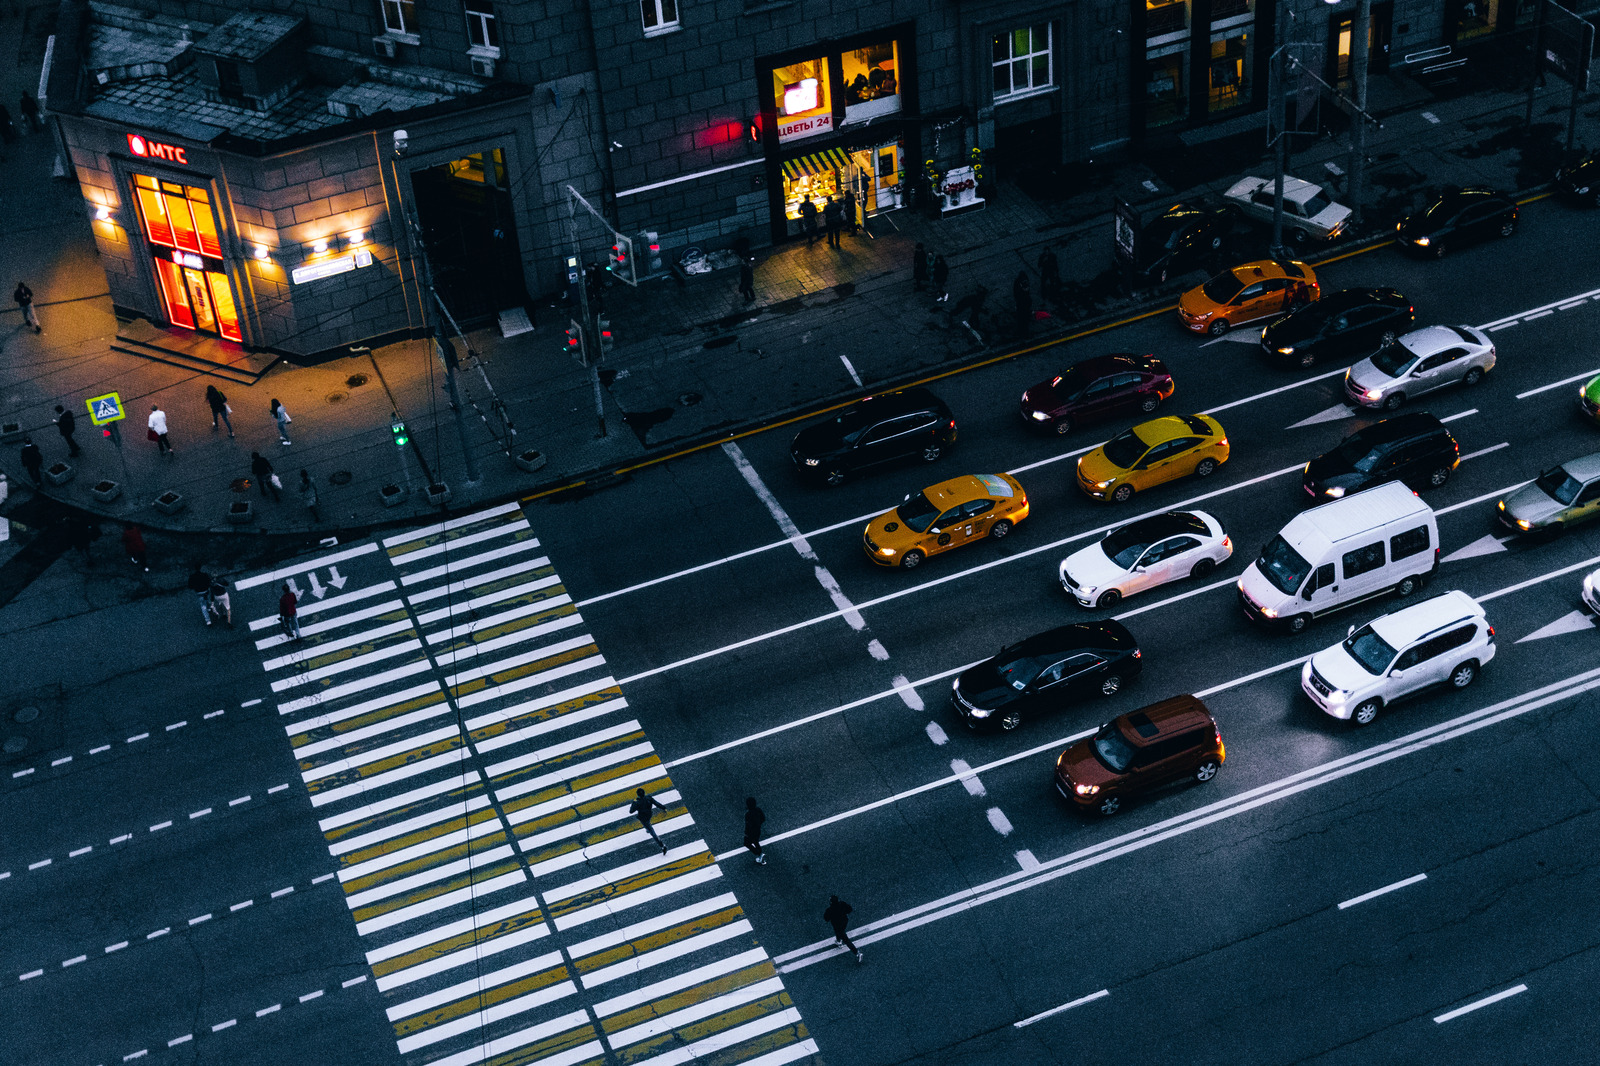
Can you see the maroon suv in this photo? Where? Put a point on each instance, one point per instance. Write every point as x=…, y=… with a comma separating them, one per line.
x=1137, y=752
x=1095, y=389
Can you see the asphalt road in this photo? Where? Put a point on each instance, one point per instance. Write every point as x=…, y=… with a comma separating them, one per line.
x=190, y=884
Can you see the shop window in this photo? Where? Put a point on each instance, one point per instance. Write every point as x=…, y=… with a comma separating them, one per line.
x=871, y=78
x=804, y=102
x=177, y=216
x=660, y=16
x=481, y=29
x=1476, y=18
x=1230, y=10
x=400, y=16
x=153, y=209
x=1162, y=18
x=1230, y=70
x=471, y=168
x=1022, y=61
x=1166, y=82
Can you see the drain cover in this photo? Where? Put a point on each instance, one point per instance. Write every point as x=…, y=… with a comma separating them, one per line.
x=340, y=477
x=337, y=397
x=355, y=381
x=15, y=744
x=26, y=714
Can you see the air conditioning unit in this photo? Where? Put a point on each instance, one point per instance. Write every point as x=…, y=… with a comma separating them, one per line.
x=383, y=46
x=483, y=66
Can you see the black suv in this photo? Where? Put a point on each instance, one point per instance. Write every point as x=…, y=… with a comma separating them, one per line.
x=1184, y=237
x=1580, y=182
x=1344, y=326
x=1457, y=217
x=877, y=430
x=1046, y=672
x=1414, y=448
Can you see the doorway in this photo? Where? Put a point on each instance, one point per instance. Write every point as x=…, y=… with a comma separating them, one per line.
x=465, y=210
x=1340, y=35
x=1030, y=155
x=198, y=298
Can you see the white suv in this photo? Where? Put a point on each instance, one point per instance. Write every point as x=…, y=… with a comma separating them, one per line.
x=1445, y=640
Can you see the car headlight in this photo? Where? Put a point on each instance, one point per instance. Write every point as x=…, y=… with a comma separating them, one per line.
x=1374, y=394
x=885, y=551
x=978, y=712
x=1422, y=242
x=1086, y=790
x=1269, y=612
x=1336, y=492
x=1501, y=505
x=813, y=462
x=1103, y=484
x=1337, y=696
x=1583, y=191
x=1524, y=524
x=1039, y=416
x=1286, y=351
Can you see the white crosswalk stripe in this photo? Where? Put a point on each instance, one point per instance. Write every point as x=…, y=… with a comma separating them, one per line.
x=471, y=765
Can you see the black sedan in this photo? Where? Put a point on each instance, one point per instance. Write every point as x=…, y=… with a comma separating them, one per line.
x=1182, y=238
x=914, y=424
x=1045, y=673
x=1344, y=326
x=1094, y=389
x=1580, y=181
x=1415, y=448
x=1457, y=217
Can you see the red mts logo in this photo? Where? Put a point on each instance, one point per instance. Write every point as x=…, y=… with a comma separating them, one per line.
x=156, y=150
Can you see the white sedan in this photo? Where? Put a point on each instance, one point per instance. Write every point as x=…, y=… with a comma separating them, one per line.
x=1144, y=554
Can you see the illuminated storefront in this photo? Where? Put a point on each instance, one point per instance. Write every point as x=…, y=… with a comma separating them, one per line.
x=181, y=227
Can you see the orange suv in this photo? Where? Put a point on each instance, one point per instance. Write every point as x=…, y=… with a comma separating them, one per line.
x=1139, y=752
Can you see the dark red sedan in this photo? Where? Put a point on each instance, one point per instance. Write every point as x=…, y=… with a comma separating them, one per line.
x=1095, y=389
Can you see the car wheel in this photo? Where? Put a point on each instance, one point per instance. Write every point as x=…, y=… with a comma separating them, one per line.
x=1438, y=249
x=1109, y=598
x=1012, y=719
x=1202, y=567
x=1298, y=623
x=1205, y=468
x=1000, y=529
x=1308, y=359
x=912, y=559
x=1509, y=227
x=1389, y=337
x=1300, y=236
x=1366, y=713
x=1206, y=771
x=1216, y=243
x=1122, y=494
x=1464, y=675
x=1474, y=376
x=1109, y=805
x=834, y=476
x=1407, y=586
x=931, y=453
x=1149, y=404
x=1439, y=477
x=1063, y=426
x=1393, y=400
x=1218, y=327
x=1111, y=685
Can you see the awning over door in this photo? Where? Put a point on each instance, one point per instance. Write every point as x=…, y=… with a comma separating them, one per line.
x=832, y=159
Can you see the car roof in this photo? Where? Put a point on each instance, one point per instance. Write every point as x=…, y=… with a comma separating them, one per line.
x=1168, y=427
x=1400, y=427
x=1176, y=714
x=1417, y=621
x=961, y=489
x=1349, y=299
x=1169, y=524
x=1585, y=468
x=888, y=404
x=1075, y=637
x=1431, y=339
x=1257, y=269
x=1100, y=365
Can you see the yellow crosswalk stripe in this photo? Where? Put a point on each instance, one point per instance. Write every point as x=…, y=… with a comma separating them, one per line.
x=504, y=677
x=371, y=718
x=471, y=938
x=482, y=999
x=484, y=873
x=372, y=769
x=624, y=886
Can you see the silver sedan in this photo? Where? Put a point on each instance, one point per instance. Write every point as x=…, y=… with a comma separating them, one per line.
x=1419, y=362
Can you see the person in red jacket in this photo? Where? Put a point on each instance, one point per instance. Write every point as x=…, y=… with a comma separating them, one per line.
x=288, y=617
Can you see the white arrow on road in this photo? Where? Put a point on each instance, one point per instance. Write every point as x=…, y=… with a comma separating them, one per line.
x=316, y=586
x=338, y=579
x=1238, y=336
x=1332, y=414
x=1570, y=623
x=1487, y=544
x=293, y=588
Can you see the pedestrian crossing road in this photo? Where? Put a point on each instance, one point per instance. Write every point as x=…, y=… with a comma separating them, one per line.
x=471, y=762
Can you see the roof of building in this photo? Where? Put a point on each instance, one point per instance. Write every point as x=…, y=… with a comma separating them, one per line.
x=248, y=35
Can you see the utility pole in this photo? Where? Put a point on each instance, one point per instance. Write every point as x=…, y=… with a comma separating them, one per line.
x=1276, y=113
x=441, y=342
x=1360, y=31
x=585, y=320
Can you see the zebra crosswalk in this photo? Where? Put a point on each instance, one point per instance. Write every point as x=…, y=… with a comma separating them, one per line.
x=471, y=765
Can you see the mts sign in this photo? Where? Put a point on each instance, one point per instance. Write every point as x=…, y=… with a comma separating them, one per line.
x=144, y=149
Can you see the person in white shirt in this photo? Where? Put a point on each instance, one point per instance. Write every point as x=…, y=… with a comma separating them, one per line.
x=158, y=430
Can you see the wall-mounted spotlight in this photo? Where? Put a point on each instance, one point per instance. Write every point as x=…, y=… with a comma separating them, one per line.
x=358, y=237
x=319, y=245
x=102, y=213
x=261, y=251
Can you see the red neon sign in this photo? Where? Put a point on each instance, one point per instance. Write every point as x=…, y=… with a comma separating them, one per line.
x=156, y=150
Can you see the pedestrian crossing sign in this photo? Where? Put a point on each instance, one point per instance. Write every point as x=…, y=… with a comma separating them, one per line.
x=107, y=408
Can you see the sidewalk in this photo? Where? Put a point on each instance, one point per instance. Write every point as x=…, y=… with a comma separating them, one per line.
x=692, y=361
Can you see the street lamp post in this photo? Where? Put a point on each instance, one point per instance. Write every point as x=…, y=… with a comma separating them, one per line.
x=1278, y=107
x=1360, y=32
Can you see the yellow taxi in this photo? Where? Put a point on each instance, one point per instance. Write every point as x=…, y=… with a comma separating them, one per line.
x=1151, y=453
x=1266, y=288
x=945, y=516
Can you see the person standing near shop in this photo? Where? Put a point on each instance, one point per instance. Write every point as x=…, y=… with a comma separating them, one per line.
x=808, y=220
x=850, y=210
x=941, y=279
x=158, y=430
x=747, y=279
x=67, y=425
x=832, y=221
x=219, y=408
x=24, y=297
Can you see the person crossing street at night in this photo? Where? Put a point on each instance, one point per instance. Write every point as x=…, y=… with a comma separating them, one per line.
x=838, y=916
x=643, y=808
x=200, y=585
x=753, y=818
x=289, y=613
x=67, y=425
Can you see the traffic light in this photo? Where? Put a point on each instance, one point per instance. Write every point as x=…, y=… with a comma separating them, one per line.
x=621, y=265
x=575, y=342
x=604, y=325
x=398, y=429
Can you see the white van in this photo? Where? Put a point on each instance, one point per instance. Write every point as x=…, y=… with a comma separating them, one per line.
x=1342, y=553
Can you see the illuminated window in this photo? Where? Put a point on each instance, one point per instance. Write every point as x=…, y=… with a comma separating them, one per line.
x=400, y=16
x=481, y=31
x=871, y=78
x=1022, y=61
x=804, y=99
x=659, y=16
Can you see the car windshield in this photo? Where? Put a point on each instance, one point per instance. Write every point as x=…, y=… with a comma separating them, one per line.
x=1357, y=453
x=1394, y=360
x=1113, y=749
x=1317, y=204
x=1559, y=485
x=1019, y=670
x=1370, y=650
x=1124, y=449
x=851, y=425
x=917, y=513
x=1222, y=288
x=1282, y=565
x=1441, y=209
x=1071, y=383
x=1124, y=546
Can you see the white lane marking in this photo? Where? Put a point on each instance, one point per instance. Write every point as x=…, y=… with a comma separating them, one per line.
x=662, y=989
x=1385, y=890
x=1026, y=860
x=908, y=694
x=1038, y=463
x=118, y=946
x=1497, y=329
x=80, y=851
x=276, y=788
x=1574, y=622
x=999, y=822
x=847, y=610
x=353, y=981
x=1273, y=392
x=30, y=975
x=236, y=802
x=202, y=918
x=141, y=1053
x=97, y=751
x=1486, y=451
x=937, y=734
x=1327, y=414
x=1462, y=414
x=1230, y=807
x=283, y=892
x=1528, y=313
x=309, y=996
x=1537, y=314
x=140, y=736
x=1090, y=998
x=207, y=717
x=250, y=703
x=411, y=536
x=1180, y=596
x=1431, y=117
x=264, y=1011
x=690, y=1013
x=1484, y=1002
x=200, y=814
x=1238, y=336
x=23, y=773
x=303, y=566
x=159, y=932
x=1487, y=544
x=41, y=864
x=175, y=1041
x=61, y=761
x=1479, y=499
x=1569, y=306
x=461, y=566
x=962, y=771
x=1585, y=376
x=322, y=878
x=241, y=906
x=957, y=576
x=876, y=649
x=73, y=961
x=852, y=371
x=177, y=725
x=1519, y=586
x=229, y=1024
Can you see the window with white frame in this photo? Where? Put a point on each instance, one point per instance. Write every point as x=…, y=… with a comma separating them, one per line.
x=400, y=16
x=1022, y=61
x=481, y=30
x=659, y=15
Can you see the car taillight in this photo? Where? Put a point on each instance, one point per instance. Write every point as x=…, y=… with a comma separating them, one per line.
x=952, y=423
x=1227, y=542
x=1137, y=654
x=1491, y=632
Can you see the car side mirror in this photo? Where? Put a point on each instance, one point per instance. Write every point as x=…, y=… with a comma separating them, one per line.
x=1139, y=569
x=1350, y=632
x=1397, y=671
x=935, y=531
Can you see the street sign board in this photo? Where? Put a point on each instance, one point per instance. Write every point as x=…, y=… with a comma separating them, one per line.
x=1566, y=45
x=1128, y=227
x=107, y=408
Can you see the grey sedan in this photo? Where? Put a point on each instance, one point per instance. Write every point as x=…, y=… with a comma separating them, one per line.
x=1419, y=362
x=1561, y=496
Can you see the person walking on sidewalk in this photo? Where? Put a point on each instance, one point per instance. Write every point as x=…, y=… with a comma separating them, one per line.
x=33, y=461
x=158, y=430
x=850, y=210
x=1023, y=297
x=280, y=415
x=1049, y=275
x=919, y=268
x=24, y=297
x=265, y=478
x=219, y=408
x=754, y=817
x=808, y=220
x=133, y=544
x=289, y=613
x=838, y=916
x=67, y=425
x=643, y=808
x=747, y=279
x=30, y=112
x=832, y=221
x=217, y=594
x=200, y=585
x=941, y=279
x=308, y=495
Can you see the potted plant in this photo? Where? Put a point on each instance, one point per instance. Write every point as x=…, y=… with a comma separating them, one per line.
x=392, y=495
x=239, y=512
x=170, y=502
x=106, y=491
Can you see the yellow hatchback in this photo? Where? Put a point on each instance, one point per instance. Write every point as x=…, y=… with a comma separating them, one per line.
x=1151, y=453
x=945, y=516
